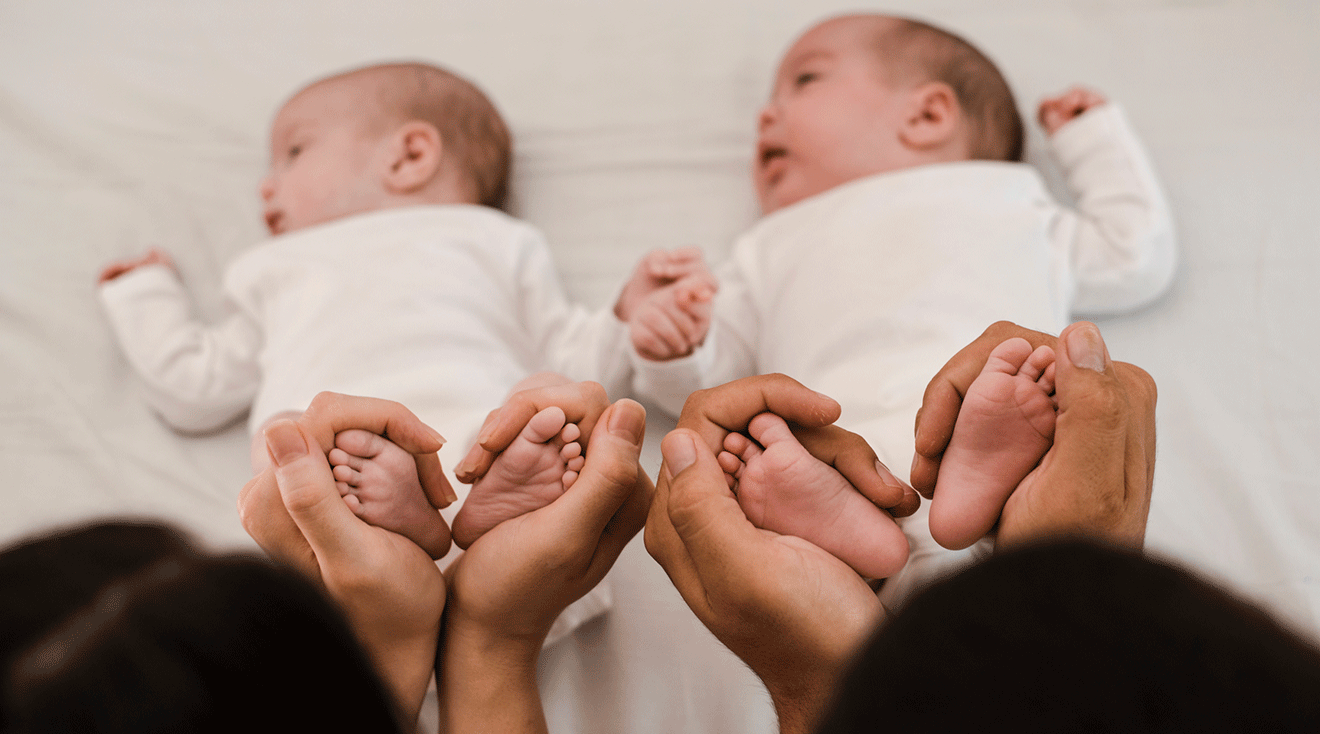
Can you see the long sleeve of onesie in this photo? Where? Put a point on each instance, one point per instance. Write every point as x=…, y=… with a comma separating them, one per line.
x=1118, y=244
x=197, y=376
x=573, y=340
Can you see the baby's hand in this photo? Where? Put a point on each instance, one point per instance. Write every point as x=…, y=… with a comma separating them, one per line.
x=1057, y=111
x=660, y=268
x=152, y=257
x=672, y=321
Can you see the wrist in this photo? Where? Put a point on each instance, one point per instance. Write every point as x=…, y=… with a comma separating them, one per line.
x=799, y=706
x=487, y=679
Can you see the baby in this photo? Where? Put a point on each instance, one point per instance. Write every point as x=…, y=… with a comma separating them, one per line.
x=900, y=222
x=392, y=274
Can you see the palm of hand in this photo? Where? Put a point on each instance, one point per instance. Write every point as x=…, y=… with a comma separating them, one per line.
x=519, y=575
x=391, y=584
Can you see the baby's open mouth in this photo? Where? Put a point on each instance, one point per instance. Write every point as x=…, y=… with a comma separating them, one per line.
x=275, y=222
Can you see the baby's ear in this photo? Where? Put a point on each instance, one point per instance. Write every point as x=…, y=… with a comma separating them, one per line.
x=414, y=157
x=933, y=118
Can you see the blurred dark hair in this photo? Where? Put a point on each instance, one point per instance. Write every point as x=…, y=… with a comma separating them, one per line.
x=146, y=635
x=1079, y=638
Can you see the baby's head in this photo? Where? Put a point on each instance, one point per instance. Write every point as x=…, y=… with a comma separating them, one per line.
x=864, y=94
x=379, y=137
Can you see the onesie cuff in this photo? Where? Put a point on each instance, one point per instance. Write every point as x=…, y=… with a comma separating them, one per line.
x=147, y=279
x=1099, y=126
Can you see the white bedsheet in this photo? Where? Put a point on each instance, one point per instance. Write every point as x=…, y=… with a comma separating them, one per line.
x=143, y=122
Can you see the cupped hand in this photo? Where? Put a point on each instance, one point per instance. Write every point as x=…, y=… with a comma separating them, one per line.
x=1096, y=479
x=791, y=611
x=507, y=589
x=582, y=403
x=389, y=588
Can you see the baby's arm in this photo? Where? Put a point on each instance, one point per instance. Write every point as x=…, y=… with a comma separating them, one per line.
x=672, y=321
x=197, y=377
x=1119, y=243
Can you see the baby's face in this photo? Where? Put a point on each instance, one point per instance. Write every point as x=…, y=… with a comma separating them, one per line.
x=832, y=116
x=322, y=159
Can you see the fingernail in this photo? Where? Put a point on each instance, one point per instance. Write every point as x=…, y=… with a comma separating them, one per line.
x=629, y=422
x=1086, y=348
x=887, y=476
x=285, y=442
x=679, y=452
x=437, y=435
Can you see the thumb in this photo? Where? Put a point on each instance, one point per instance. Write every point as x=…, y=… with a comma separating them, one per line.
x=702, y=509
x=308, y=490
x=1087, y=462
x=611, y=474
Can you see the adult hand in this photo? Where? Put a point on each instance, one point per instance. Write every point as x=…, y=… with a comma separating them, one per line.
x=791, y=611
x=389, y=588
x=1096, y=479
x=582, y=403
x=511, y=584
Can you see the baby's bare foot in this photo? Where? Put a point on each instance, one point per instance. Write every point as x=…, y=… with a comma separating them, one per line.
x=1005, y=426
x=531, y=473
x=783, y=488
x=378, y=481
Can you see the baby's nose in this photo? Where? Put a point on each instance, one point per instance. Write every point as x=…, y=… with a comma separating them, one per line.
x=767, y=117
x=267, y=187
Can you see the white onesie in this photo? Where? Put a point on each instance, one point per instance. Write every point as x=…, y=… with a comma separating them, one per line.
x=441, y=308
x=865, y=291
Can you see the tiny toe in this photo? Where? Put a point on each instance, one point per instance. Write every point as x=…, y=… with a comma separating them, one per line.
x=570, y=433
x=768, y=428
x=736, y=443
x=1037, y=363
x=570, y=451
x=1047, y=378
x=1009, y=356
x=570, y=477
x=730, y=463
x=545, y=425
x=358, y=442
x=354, y=504
x=576, y=463
x=344, y=489
x=346, y=474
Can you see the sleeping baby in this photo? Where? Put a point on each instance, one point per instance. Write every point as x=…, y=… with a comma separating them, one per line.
x=899, y=223
x=391, y=273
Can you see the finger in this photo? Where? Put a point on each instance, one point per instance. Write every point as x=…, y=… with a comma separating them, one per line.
x=944, y=395
x=582, y=403
x=714, y=413
x=716, y=539
x=609, y=477
x=478, y=460
x=1088, y=463
x=309, y=494
x=662, y=328
x=854, y=458
x=262, y=513
x=330, y=413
